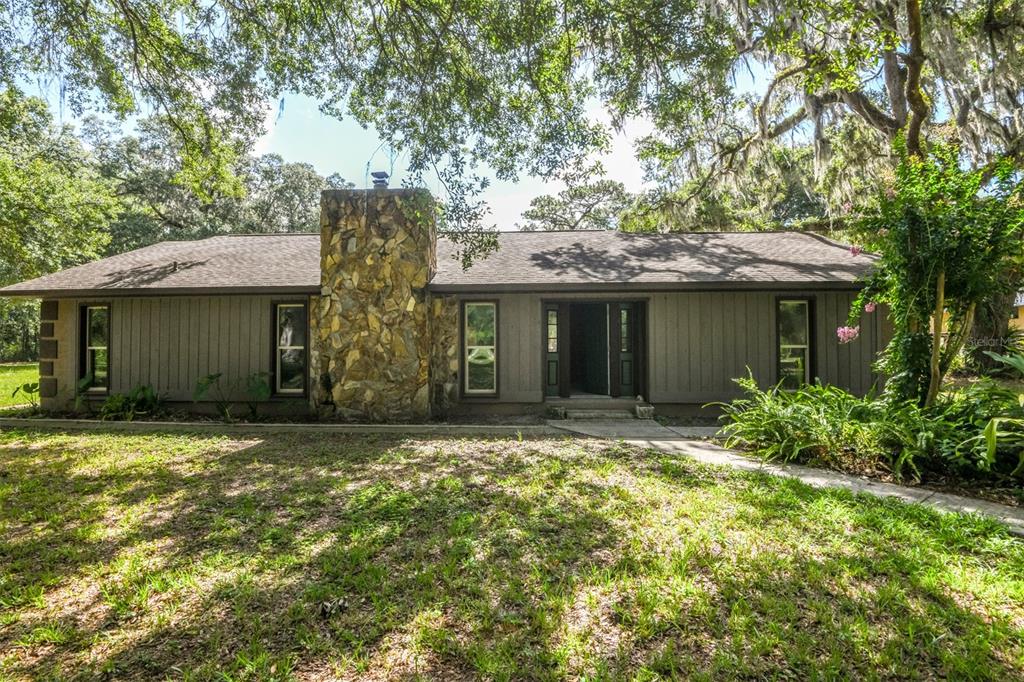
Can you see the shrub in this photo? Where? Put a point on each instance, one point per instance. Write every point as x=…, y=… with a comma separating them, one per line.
x=977, y=429
x=208, y=383
x=141, y=400
x=1013, y=362
x=257, y=387
x=815, y=422
x=994, y=416
x=30, y=390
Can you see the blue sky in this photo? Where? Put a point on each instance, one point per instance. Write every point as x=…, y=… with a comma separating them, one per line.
x=300, y=132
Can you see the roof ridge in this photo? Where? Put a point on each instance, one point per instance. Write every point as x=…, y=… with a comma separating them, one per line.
x=250, y=234
x=620, y=232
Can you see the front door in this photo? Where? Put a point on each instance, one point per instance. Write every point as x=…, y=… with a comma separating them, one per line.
x=593, y=348
x=622, y=349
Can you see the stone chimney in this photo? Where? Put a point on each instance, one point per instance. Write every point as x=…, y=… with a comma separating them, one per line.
x=371, y=327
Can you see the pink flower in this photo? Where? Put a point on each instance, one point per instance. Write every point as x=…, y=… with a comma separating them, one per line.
x=890, y=192
x=856, y=250
x=869, y=307
x=847, y=334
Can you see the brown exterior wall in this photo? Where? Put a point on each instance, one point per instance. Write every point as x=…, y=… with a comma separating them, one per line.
x=697, y=343
x=700, y=342
x=170, y=342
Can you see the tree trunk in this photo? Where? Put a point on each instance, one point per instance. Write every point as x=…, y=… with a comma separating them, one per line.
x=990, y=331
x=955, y=342
x=937, y=320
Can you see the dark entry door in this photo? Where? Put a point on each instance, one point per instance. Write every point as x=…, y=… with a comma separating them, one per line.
x=569, y=347
x=622, y=349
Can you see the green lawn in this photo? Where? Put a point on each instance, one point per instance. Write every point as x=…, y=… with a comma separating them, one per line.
x=13, y=375
x=314, y=557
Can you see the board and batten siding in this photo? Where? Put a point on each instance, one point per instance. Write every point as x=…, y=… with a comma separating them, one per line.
x=169, y=342
x=698, y=342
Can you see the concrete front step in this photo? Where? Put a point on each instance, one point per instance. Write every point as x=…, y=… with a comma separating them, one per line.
x=598, y=414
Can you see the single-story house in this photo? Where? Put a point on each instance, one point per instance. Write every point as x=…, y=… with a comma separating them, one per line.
x=375, y=318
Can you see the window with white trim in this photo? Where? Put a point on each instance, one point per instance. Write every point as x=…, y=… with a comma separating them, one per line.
x=290, y=354
x=480, y=336
x=794, y=329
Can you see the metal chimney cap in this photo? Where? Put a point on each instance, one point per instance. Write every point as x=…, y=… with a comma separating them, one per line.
x=380, y=179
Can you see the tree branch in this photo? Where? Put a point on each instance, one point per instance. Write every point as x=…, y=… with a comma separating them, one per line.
x=919, y=109
x=762, y=108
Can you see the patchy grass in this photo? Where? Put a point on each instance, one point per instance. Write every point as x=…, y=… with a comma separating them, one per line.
x=318, y=557
x=13, y=375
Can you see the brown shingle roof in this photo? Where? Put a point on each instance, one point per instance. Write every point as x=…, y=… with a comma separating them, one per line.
x=290, y=263
x=272, y=263
x=612, y=260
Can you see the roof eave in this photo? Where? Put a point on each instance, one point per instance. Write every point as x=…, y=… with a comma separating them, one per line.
x=162, y=291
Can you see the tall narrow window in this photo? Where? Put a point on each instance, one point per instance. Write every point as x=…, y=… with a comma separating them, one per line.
x=552, y=331
x=794, y=329
x=480, y=338
x=290, y=354
x=624, y=330
x=96, y=347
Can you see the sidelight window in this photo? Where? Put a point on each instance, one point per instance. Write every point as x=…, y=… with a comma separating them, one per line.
x=552, y=331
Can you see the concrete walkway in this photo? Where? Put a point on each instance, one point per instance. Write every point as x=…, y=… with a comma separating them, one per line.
x=680, y=441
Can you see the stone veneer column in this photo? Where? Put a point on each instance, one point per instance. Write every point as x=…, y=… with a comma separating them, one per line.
x=49, y=354
x=444, y=362
x=371, y=328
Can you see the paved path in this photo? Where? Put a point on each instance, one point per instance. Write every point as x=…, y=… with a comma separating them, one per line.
x=680, y=441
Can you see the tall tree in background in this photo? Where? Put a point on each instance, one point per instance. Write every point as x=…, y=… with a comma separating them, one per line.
x=145, y=168
x=776, y=191
x=459, y=84
x=510, y=84
x=590, y=201
x=54, y=208
x=62, y=205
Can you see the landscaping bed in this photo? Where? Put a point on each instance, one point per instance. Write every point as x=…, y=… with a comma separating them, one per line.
x=970, y=442
x=306, y=556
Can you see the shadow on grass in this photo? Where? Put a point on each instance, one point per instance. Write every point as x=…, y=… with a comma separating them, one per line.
x=307, y=556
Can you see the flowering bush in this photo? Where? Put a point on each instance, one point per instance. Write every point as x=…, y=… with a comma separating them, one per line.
x=847, y=334
x=946, y=238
